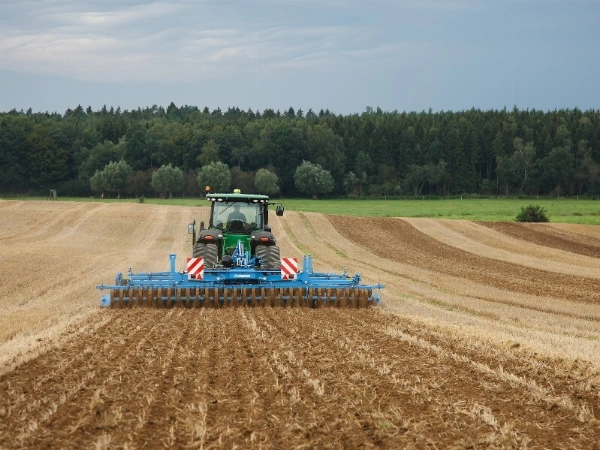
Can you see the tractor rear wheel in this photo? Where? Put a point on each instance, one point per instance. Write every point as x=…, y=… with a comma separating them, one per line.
x=198, y=250
x=211, y=255
x=269, y=255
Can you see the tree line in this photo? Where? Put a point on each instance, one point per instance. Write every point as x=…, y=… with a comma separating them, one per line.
x=493, y=152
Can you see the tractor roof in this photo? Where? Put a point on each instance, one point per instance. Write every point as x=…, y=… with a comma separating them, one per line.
x=236, y=197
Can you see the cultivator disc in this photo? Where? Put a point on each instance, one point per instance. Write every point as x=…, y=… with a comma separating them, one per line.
x=232, y=297
x=240, y=286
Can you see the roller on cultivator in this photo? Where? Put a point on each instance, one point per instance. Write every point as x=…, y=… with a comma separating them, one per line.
x=236, y=262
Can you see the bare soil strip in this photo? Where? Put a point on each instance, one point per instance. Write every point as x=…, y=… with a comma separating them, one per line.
x=581, y=229
x=483, y=241
x=550, y=235
x=416, y=248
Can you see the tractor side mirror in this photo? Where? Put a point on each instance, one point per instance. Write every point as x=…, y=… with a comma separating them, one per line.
x=279, y=210
x=192, y=231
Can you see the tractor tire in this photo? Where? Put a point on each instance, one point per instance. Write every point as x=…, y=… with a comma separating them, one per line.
x=198, y=251
x=270, y=256
x=274, y=257
x=261, y=252
x=211, y=255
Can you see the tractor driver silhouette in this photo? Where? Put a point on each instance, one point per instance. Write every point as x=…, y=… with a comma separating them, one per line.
x=236, y=216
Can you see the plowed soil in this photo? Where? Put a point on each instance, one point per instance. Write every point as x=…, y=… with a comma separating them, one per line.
x=488, y=337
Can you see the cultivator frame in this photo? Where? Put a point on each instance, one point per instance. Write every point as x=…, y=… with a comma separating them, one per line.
x=241, y=285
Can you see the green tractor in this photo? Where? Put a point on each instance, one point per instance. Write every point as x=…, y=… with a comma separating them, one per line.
x=236, y=262
x=238, y=232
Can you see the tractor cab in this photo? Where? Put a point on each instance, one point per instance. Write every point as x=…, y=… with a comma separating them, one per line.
x=238, y=216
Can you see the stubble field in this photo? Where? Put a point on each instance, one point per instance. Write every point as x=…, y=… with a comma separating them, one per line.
x=488, y=337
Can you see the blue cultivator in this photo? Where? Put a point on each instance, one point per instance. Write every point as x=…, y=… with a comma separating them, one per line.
x=236, y=262
x=240, y=286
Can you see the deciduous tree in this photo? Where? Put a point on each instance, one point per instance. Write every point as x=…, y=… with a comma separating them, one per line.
x=313, y=179
x=168, y=179
x=113, y=178
x=266, y=182
x=216, y=175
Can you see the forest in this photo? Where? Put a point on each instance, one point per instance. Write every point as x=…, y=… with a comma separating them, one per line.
x=372, y=154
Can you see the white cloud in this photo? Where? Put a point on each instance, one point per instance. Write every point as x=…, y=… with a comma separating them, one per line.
x=160, y=41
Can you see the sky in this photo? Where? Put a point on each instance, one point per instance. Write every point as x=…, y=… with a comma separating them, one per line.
x=341, y=55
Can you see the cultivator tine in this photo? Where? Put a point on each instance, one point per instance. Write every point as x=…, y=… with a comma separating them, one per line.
x=363, y=299
x=177, y=299
x=331, y=297
x=132, y=297
x=210, y=298
x=271, y=297
x=214, y=298
x=288, y=298
x=344, y=298
x=222, y=297
x=294, y=303
x=355, y=296
x=304, y=298
x=353, y=303
x=321, y=298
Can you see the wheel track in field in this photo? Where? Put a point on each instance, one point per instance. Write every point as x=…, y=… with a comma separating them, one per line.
x=171, y=385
